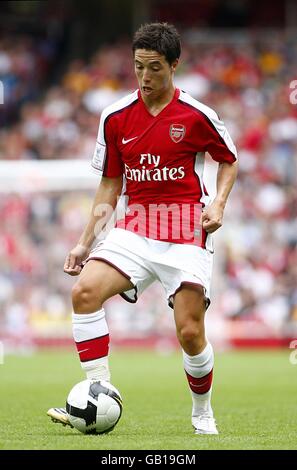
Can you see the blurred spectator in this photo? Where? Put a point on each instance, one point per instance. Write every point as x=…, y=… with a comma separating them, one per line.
x=24, y=67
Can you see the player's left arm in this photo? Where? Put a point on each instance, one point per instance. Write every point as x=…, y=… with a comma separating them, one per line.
x=221, y=148
x=212, y=216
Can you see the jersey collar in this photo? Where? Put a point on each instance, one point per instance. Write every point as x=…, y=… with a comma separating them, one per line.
x=174, y=98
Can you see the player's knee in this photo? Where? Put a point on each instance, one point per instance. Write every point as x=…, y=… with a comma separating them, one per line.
x=191, y=332
x=82, y=298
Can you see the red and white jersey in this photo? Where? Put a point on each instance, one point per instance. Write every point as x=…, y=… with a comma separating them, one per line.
x=162, y=160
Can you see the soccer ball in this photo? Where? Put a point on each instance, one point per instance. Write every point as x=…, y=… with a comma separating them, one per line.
x=94, y=407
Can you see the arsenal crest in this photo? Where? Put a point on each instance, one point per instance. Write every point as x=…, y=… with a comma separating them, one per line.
x=177, y=132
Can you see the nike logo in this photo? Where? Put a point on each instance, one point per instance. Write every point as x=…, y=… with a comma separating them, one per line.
x=125, y=141
x=198, y=386
x=83, y=350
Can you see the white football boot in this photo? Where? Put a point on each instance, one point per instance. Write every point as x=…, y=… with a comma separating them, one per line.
x=204, y=424
x=59, y=415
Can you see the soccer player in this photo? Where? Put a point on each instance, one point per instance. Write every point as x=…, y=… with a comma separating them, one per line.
x=151, y=146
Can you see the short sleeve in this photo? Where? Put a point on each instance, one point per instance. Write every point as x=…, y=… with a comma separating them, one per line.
x=218, y=142
x=107, y=159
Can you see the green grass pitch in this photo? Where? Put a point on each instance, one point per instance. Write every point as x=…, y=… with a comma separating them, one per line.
x=254, y=399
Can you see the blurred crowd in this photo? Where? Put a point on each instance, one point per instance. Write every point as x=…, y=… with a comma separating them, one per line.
x=25, y=65
x=248, y=84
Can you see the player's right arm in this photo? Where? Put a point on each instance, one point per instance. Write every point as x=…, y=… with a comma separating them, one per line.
x=108, y=163
x=106, y=197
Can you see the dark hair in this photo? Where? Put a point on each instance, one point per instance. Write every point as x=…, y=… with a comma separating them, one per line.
x=160, y=37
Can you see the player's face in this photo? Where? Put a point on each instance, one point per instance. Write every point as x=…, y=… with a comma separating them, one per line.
x=153, y=72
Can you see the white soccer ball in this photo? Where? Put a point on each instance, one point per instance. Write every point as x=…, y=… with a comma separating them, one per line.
x=94, y=407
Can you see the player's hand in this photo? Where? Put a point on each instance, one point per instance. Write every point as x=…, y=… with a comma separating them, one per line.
x=73, y=262
x=212, y=217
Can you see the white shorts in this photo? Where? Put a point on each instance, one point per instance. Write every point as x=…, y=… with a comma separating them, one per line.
x=143, y=261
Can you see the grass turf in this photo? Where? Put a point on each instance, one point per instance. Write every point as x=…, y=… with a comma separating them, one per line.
x=254, y=399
